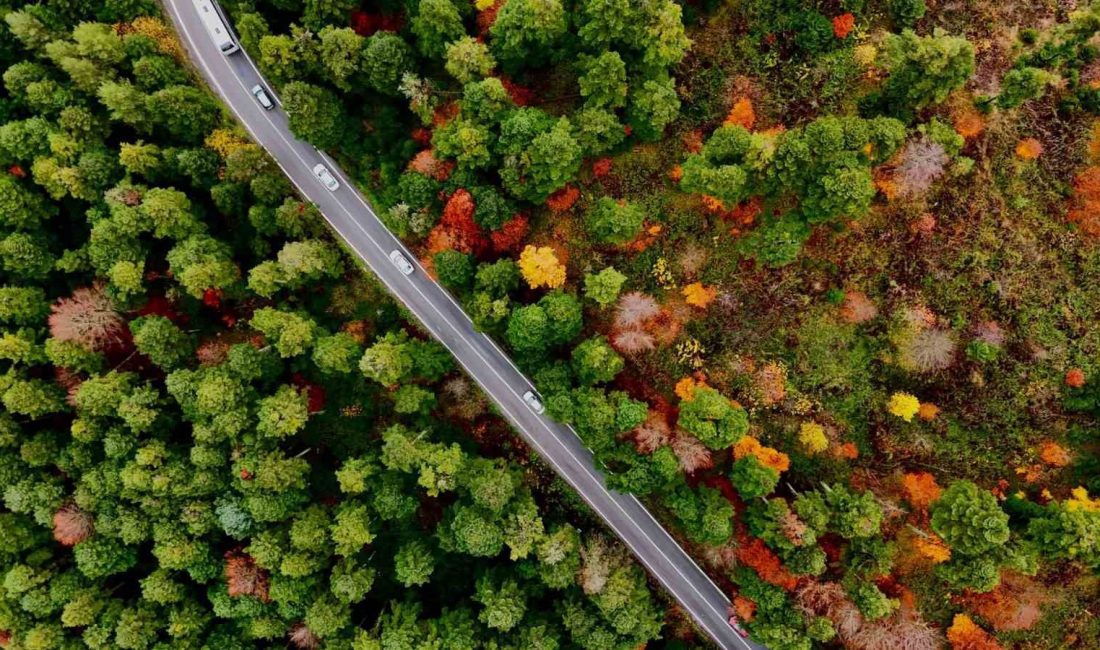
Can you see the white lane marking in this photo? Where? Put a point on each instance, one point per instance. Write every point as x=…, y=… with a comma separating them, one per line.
x=609, y=495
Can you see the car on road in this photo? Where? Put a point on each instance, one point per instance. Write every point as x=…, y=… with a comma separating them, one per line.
x=325, y=176
x=261, y=96
x=401, y=262
x=742, y=632
x=533, y=402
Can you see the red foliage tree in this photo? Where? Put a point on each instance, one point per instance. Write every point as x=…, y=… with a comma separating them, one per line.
x=88, y=317
x=71, y=525
x=487, y=17
x=426, y=163
x=244, y=578
x=510, y=235
x=457, y=229
x=315, y=394
x=521, y=95
x=366, y=24
x=303, y=638
x=563, y=199
x=158, y=305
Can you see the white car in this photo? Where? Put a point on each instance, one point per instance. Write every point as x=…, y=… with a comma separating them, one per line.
x=325, y=176
x=401, y=262
x=533, y=402
x=262, y=97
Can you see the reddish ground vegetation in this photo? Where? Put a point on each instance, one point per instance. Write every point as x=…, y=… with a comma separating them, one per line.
x=1085, y=205
x=741, y=114
x=1075, y=378
x=1015, y=604
x=444, y=114
x=158, y=305
x=857, y=308
x=744, y=609
x=602, y=167
x=521, y=95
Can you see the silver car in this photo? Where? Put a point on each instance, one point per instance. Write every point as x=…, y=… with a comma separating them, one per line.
x=401, y=262
x=261, y=96
x=533, y=402
x=325, y=176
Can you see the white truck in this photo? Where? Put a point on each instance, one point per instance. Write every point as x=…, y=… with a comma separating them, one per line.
x=215, y=24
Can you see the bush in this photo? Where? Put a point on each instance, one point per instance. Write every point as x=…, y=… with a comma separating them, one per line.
x=906, y=13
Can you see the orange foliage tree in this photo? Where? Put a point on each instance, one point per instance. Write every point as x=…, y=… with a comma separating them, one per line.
x=964, y=634
x=698, y=295
x=1054, y=454
x=921, y=489
x=843, y=25
x=742, y=114
x=759, y=558
x=1029, y=149
x=768, y=457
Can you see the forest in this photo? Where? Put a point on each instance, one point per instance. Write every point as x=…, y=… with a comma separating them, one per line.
x=814, y=279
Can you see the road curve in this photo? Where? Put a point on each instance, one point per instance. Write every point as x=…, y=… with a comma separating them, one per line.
x=352, y=218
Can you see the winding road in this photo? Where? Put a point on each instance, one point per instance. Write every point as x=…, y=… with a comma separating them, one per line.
x=232, y=76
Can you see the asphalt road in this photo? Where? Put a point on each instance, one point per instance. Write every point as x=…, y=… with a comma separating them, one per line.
x=352, y=218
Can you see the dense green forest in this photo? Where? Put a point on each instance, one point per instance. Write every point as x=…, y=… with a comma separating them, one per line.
x=816, y=279
x=217, y=431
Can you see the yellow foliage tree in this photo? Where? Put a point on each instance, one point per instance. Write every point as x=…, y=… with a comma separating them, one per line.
x=932, y=548
x=685, y=388
x=161, y=34
x=224, y=142
x=540, y=267
x=812, y=436
x=903, y=405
